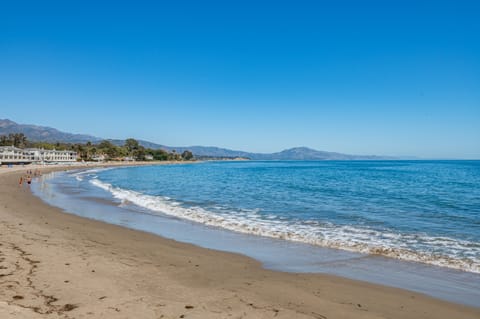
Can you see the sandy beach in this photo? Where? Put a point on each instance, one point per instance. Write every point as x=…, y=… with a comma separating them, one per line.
x=57, y=265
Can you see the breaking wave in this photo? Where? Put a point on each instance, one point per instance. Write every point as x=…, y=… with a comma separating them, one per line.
x=439, y=251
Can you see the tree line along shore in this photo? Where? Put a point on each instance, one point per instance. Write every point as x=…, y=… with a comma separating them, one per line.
x=105, y=150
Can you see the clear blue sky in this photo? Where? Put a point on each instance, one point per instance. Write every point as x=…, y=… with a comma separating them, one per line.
x=362, y=77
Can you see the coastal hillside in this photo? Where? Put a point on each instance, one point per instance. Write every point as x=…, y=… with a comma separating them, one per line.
x=44, y=133
x=39, y=133
x=305, y=153
x=48, y=134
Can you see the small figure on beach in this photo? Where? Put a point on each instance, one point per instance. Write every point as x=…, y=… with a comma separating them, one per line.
x=20, y=182
x=29, y=180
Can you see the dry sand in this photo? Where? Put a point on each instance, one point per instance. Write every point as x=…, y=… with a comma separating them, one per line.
x=57, y=265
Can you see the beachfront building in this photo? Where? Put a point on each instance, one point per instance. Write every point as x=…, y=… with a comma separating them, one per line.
x=12, y=155
x=15, y=155
x=41, y=155
x=99, y=158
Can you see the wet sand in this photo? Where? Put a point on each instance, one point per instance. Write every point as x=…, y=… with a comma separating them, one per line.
x=57, y=265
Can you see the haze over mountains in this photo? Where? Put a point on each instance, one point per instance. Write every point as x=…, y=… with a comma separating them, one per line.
x=48, y=134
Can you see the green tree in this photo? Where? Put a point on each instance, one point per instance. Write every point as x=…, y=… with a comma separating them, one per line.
x=92, y=152
x=187, y=155
x=139, y=153
x=4, y=140
x=19, y=140
x=159, y=155
x=131, y=145
x=15, y=139
x=81, y=151
x=110, y=150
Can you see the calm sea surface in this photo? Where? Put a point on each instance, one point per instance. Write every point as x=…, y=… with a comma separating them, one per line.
x=426, y=211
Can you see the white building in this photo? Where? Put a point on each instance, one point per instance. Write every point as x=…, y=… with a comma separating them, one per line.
x=14, y=155
x=99, y=158
x=10, y=154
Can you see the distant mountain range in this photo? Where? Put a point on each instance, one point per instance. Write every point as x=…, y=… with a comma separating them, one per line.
x=48, y=134
x=43, y=133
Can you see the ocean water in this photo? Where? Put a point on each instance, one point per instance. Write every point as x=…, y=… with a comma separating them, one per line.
x=408, y=224
x=423, y=211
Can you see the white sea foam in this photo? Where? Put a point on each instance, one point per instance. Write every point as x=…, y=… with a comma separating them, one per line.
x=80, y=175
x=90, y=171
x=440, y=251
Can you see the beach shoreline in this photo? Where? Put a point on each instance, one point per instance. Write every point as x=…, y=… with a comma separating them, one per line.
x=57, y=265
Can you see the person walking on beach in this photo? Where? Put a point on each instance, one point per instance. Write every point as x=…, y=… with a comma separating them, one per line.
x=20, y=182
x=29, y=180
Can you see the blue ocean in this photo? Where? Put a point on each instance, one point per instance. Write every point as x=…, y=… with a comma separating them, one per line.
x=424, y=211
